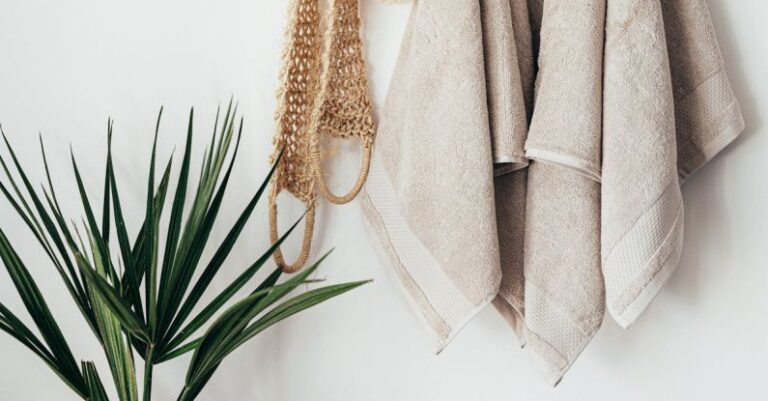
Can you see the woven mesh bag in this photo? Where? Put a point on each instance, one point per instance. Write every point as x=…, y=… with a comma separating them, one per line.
x=323, y=93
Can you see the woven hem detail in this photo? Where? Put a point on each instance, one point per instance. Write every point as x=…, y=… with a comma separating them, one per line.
x=436, y=299
x=641, y=262
x=554, y=340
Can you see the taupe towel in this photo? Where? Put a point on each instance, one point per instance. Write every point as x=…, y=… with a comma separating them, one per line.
x=564, y=290
x=629, y=96
x=506, y=25
x=566, y=124
x=430, y=195
x=504, y=72
x=668, y=109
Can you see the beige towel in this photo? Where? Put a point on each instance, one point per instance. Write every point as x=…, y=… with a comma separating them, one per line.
x=509, y=66
x=668, y=109
x=564, y=302
x=566, y=124
x=430, y=196
x=504, y=70
x=564, y=291
x=629, y=96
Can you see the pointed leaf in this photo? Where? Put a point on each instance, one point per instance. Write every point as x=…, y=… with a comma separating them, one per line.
x=130, y=321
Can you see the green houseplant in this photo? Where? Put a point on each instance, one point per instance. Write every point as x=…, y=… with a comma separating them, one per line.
x=138, y=299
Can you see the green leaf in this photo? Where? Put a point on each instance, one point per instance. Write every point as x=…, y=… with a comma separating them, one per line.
x=218, y=260
x=101, y=247
x=133, y=255
x=95, y=387
x=232, y=329
x=150, y=242
x=236, y=318
x=182, y=275
x=268, y=282
x=105, y=218
x=130, y=321
x=174, y=227
x=130, y=279
x=69, y=276
x=190, y=346
x=116, y=347
x=38, y=309
x=17, y=329
x=290, y=308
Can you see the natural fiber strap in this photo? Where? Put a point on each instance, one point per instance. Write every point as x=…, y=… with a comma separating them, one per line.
x=343, y=106
x=349, y=196
x=306, y=243
x=296, y=97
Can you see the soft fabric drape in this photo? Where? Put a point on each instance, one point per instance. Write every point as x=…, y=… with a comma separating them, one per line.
x=530, y=153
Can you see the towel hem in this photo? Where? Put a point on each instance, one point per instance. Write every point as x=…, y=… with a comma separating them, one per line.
x=442, y=306
x=508, y=164
x=462, y=324
x=552, y=375
x=582, y=166
x=558, y=364
x=651, y=290
x=724, y=138
x=631, y=288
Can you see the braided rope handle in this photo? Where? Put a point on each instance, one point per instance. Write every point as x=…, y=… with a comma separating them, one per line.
x=306, y=243
x=362, y=176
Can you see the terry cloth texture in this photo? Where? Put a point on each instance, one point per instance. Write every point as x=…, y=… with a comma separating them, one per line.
x=430, y=192
x=533, y=151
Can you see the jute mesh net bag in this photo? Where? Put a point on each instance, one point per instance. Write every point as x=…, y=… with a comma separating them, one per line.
x=296, y=96
x=324, y=92
x=343, y=107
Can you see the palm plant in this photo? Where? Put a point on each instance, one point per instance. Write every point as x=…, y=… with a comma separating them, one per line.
x=134, y=301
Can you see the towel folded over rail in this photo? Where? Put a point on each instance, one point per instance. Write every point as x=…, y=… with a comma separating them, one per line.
x=530, y=154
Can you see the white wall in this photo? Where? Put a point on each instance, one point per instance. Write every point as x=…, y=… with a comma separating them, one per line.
x=66, y=66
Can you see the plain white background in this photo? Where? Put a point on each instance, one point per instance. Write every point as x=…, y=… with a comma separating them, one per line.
x=66, y=66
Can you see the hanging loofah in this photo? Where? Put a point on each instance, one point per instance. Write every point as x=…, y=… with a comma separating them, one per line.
x=343, y=106
x=296, y=97
x=323, y=93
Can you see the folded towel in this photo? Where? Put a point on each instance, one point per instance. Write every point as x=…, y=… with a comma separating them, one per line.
x=430, y=197
x=629, y=98
x=504, y=83
x=566, y=125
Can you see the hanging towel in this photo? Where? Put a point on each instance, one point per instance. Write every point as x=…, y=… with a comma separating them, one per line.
x=504, y=71
x=564, y=290
x=508, y=44
x=429, y=198
x=564, y=302
x=668, y=109
x=630, y=97
x=566, y=124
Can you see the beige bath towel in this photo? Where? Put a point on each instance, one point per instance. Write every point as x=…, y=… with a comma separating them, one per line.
x=668, y=109
x=504, y=80
x=430, y=195
x=566, y=124
x=564, y=302
x=629, y=96
x=509, y=66
x=564, y=291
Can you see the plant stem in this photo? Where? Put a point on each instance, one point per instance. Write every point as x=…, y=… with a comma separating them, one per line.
x=148, y=367
x=184, y=392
